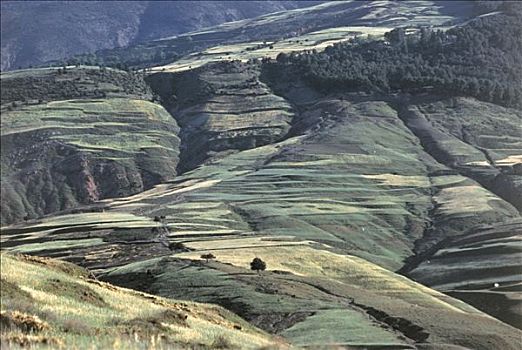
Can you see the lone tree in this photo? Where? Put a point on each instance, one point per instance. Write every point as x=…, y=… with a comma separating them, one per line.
x=258, y=265
x=208, y=256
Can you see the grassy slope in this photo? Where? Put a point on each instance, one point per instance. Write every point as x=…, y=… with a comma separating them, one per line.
x=307, y=29
x=480, y=140
x=72, y=146
x=356, y=180
x=222, y=107
x=52, y=303
x=305, y=292
x=481, y=268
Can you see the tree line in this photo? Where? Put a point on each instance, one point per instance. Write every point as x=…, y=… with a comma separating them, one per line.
x=482, y=59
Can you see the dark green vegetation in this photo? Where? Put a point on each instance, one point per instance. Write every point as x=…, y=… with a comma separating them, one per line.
x=78, y=135
x=28, y=87
x=343, y=192
x=257, y=265
x=272, y=27
x=39, y=31
x=482, y=59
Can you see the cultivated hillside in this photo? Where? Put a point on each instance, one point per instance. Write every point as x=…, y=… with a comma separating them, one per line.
x=306, y=28
x=323, y=208
x=482, y=268
x=375, y=170
x=76, y=135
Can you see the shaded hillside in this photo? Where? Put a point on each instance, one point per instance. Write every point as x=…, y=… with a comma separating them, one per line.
x=222, y=107
x=479, y=140
x=53, y=304
x=75, y=137
x=481, y=267
x=39, y=31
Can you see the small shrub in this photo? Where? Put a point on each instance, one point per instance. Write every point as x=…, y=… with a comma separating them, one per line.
x=208, y=256
x=22, y=321
x=177, y=246
x=77, y=326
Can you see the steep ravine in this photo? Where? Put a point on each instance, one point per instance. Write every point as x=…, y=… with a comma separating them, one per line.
x=463, y=155
x=221, y=108
x=482, y=263
x=460, y=156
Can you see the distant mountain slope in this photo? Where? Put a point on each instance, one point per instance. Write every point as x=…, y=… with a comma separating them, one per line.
x=259, y=33
x=38, y=31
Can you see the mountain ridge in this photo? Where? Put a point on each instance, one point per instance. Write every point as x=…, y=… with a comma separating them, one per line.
x=40, y=31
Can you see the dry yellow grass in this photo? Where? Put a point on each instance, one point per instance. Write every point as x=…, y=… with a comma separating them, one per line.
x=244, y=242
x=122, y=319
x=350, y=270
x=510, y=161
x=399, y=180
x=471, y=199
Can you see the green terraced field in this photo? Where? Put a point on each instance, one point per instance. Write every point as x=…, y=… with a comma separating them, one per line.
x=65, y=152
x=342, y=195
x=479, y=267
x=306, y=289
x=313, y=27
x=326, y=209
x=222, y=107
x=480, y=140
x=244, y=51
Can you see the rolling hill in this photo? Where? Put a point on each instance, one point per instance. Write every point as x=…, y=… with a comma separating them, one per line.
x=80, y=135
x=52, y=304
x=39, y=31
x=376, y=171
